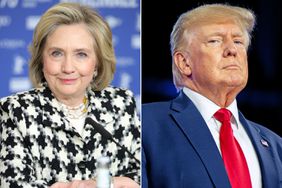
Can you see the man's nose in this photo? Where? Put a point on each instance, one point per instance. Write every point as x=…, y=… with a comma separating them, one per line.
x=230, y=49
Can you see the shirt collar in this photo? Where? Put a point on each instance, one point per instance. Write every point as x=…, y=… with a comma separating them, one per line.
x=207, y=108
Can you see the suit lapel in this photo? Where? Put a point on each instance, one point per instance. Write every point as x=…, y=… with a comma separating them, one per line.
x=97, y=109
x=264, y=152
x=195, y=129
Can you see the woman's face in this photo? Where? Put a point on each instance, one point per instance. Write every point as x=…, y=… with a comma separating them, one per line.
x=69, y=62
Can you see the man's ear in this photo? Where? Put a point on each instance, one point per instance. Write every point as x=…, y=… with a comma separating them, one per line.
x=182, y=62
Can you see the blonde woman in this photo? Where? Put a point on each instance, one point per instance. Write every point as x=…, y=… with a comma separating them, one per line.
x=49, y=135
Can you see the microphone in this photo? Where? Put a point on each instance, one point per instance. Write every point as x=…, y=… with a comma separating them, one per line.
x=108, y=136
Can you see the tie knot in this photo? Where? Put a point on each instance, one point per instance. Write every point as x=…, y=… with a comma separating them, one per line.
x=222, y=115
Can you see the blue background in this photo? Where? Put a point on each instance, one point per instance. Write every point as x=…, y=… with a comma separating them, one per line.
x=19, y=17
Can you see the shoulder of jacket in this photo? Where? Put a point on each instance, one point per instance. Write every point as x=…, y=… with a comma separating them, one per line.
x=112, y=92
x=19, y=98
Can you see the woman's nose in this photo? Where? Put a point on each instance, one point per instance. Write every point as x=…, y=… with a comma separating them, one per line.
x=67, y=66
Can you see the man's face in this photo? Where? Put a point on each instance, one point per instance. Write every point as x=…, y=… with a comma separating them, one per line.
x=218, y=57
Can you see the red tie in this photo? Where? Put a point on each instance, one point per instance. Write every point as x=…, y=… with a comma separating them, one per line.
x=232, y=154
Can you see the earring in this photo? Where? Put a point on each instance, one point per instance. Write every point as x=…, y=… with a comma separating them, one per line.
x=95, y=73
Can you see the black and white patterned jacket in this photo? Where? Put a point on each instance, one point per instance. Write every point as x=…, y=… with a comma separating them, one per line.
x=38, y=147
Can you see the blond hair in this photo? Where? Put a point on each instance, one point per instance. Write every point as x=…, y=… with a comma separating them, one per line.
x=67, y=14
x=207, y=14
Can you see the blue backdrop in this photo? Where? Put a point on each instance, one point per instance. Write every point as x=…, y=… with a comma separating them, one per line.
x=19, y=17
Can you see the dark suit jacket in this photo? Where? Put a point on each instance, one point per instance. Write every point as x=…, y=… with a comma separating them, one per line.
x=178, y=149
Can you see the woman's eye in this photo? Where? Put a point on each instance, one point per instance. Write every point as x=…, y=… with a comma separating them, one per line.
x=82, y=54
x=56, y=53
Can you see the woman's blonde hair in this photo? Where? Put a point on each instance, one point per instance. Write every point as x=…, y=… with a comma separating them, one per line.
x=207, y=14
x=67, y=14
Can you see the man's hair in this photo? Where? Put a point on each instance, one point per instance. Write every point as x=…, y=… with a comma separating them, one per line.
x=207, y=14
x=68, y=14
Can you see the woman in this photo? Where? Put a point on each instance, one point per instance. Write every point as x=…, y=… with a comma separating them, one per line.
x=49, y=134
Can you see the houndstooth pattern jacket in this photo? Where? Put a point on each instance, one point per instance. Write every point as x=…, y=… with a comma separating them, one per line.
x=39, y=147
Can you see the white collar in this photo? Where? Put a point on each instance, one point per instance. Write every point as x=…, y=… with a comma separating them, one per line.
x=207, y=108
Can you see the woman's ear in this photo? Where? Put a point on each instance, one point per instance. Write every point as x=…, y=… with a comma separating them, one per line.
x=182, y=62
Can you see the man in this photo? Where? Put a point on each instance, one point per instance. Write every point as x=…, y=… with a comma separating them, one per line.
x=200, y=139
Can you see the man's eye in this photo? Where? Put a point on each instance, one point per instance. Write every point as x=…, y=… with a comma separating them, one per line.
x=238, y=42
x=213, y=41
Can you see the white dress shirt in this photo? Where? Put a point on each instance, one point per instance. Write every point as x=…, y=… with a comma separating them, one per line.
x=207, y=108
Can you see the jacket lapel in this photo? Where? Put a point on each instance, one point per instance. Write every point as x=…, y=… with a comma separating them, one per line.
x=98, y=108
x=264, y=152
x=52, y=115
x=195, y=129
x=101, y=109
